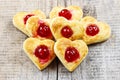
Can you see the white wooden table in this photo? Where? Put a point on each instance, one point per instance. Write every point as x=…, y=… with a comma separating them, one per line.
x=102, y=62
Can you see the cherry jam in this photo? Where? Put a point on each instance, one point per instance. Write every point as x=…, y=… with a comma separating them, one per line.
x=42, y=52
x=71, y=54
x=92, y=30
x=65, y=13
x=44, y=30
x=66, y=31
x=26, y=17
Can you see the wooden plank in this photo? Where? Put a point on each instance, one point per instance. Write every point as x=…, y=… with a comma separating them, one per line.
x=103, y=60
x=63, y=74
x=14, y=63
x=80, y=72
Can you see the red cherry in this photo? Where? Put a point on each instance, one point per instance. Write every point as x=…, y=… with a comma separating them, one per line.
x=71, y=54
x=44, y=30
x=92, y=30
x=66, y=31
x=42, y=53
x=26, y=17
x=65, y=13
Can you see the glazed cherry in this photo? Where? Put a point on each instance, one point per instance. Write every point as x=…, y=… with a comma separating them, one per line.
x=92, y=30
x=71, y=54
x=26, y=17
x=66, y=31
x=42, y=53
x=65, y=13
x=44, y=30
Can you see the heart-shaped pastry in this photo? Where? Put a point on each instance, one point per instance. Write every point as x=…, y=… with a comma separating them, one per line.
x=39, y=28
x=95, y=31
x=41, y=52
x=70, y=53
x=20, y=19
x=70, y=12
x=63, y=28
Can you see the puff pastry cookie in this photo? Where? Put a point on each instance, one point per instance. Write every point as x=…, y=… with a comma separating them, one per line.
x=63, y=28
x=20, y=19
x=70, y=53
x=95, y=31
x=70, y=12
x=39, y=28
x=39, y=51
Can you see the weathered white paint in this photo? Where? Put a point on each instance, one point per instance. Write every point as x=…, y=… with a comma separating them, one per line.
x=102, y=62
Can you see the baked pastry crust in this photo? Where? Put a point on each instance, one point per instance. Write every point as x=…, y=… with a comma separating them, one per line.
x=88, y=19
x=19, y=23
x=29, y=46
x=62, y=44
x=32, y=26
x=59, y=22
x=76, y=11
x=104, y=30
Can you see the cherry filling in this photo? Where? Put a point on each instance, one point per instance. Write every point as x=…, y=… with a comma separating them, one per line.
x=42, y=53
x=65, y=13
x=26, y=17
x=66, y=31
x=92, y=30
x=44, y=30
x=71, y=54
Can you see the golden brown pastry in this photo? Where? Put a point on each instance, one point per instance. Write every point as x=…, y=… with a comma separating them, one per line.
x=20, y=19
x=88, y=19
x=63, y=28
x=95, y=31
x=70, y=12
x=41, y=52
x=39, y=28
x=70, y=53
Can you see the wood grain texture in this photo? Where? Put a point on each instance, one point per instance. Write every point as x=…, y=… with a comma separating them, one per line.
x=102, y=62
